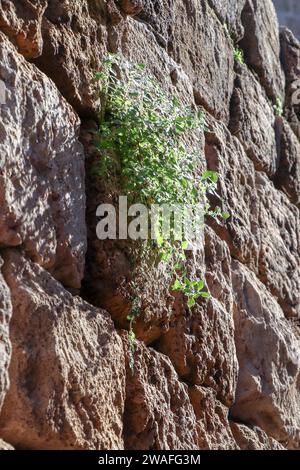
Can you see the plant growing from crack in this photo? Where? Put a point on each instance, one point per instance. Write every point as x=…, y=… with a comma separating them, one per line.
x=238, y=55
x=140, y=139
x=278, y=107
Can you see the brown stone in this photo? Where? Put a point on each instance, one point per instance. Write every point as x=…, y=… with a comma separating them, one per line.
x=67, y=370
x=214, y=431
x=21, y=21
x=290, y=58
x=287, y=177
x=263, y=230
x=75, y=41
x=42, y=190
x=132, y=7
x=253, y=121
x=253, y=438
x=261, y=45
x=279, y=266
x=267, y=346
x=224, y=374
x=199, y=341
x=158, y=412
x=225, y=154
x=180, y=27
x=230, y=14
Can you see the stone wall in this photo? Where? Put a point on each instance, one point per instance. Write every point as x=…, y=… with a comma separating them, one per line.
x=222, y=375
x=289, y=14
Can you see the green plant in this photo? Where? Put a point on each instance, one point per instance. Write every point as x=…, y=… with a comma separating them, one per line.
x=238, y=55
x=143, y=155
x=278, y=107
x=139, y=137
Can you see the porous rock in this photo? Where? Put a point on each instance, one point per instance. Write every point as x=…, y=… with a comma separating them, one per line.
x=42, y=190
x=67, y=370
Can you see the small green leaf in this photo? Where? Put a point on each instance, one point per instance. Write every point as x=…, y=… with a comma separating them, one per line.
x=99, y=76
x=185, y=245
x=177, y=285
x=191, y=302
x=199, y=284
x=178, y=266
x=209, y=174
x=165, y=256
x=226, y=215
x=205, y=295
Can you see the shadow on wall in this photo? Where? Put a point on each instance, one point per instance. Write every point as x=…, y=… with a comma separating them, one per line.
x=289, y=14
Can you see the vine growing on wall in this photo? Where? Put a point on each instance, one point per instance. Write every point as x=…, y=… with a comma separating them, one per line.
x=140, y=138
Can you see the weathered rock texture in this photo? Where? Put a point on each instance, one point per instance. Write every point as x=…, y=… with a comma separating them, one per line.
x=268, y=351
x=223, y=375
x=5, y=344
x=67, y=370
x=42, y=182
x=21, y=21
x=289, y=14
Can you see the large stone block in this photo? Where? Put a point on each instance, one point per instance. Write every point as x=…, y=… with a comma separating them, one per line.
x=225, y=154
x=253, y=438
x=268, y=351
x=213, y=427
x=261, y=45
x=42, y=187
x=180, y=27
x=75, y=40
x=287, y=177
x=263, y=230
x=253, y=121
x=200, y=341
x=290, y=58
x=158, y=413
x=279, y=267
x=21, y=21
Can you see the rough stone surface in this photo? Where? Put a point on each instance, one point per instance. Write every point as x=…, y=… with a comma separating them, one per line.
x=222, y=375
x=261, y=45
x=230, y=13
x=253, y=121
x=67, y=370
x=290, y=58
x=287, y=177
x=75, y=40
x=21, y=21
x=42, y=197
x=139, y=43
x=253, y=438
x=213, y=427
x=179, y=26
x=263, y=231
x=268, y=349
x=223, y=151
x=5, y=345
x=279, y=267
x=200, y=343
x=158, y=412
